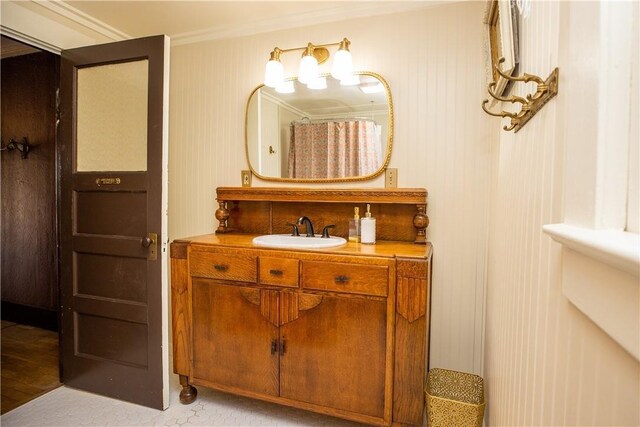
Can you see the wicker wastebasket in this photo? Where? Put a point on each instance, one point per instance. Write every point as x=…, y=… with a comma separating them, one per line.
x=454, y=399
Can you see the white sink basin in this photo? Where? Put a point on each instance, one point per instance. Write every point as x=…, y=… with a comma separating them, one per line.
x=287, y=241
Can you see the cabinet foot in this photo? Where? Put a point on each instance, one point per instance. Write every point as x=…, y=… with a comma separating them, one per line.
x=188, y=393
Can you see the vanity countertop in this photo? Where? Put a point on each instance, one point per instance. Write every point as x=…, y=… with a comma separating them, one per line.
x=382, y=248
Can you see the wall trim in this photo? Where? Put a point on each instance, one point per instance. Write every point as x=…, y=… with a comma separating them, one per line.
x=31, y=41
x=346, y=11
x=81, y=18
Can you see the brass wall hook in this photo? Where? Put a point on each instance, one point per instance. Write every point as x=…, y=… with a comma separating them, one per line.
x=545, y=90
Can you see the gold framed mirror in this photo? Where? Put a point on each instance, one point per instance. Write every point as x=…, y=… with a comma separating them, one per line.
x=337, y=133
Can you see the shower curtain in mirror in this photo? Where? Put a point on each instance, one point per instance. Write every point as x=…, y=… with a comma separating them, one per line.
x=334, y=149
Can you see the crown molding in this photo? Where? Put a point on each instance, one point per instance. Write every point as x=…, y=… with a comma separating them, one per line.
x=348, y=10
x=83, y=19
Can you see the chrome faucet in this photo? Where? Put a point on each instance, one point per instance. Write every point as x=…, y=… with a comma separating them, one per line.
x=306, y=221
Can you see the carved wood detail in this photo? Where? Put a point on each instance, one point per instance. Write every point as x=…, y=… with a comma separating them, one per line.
x=411, y=299
x=269, y=306
x=411, y=292
x=415, y=268
x=252, y=295
x=421, y=222
x=222, y=215
x=308, y=301
x=379, y=195
x=289, y=307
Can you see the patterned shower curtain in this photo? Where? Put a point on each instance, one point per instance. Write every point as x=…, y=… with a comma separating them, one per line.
x=334, y=149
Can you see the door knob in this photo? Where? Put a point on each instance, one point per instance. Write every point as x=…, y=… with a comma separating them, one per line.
x=151, y=241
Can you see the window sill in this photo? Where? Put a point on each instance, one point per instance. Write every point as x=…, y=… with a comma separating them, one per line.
x=600, y=272
x=619, y=249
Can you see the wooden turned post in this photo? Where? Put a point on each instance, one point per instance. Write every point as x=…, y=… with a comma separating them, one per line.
x=222, y=215
x=188, y=393
x=421, y=222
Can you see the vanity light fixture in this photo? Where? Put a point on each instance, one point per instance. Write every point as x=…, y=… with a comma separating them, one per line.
x=313, y=55
x=318, y=83
x=286, y=87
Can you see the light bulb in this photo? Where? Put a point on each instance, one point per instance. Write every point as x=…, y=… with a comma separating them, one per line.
x=318, y=83
x=342, y=64
x=273, y=73
x=308, y=69
x=286, y=87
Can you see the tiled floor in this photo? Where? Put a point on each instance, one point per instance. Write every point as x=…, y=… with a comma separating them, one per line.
x=68, y=407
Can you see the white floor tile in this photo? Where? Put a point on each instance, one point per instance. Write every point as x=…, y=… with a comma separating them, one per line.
x=68, y=407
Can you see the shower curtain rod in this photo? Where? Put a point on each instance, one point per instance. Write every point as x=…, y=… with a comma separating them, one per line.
x=329, y=119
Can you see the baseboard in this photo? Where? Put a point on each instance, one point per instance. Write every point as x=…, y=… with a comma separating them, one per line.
x=32, y=316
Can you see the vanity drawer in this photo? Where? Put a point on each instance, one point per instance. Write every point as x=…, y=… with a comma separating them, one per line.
x=279, y=271
x=241, y=268
x=350, y=278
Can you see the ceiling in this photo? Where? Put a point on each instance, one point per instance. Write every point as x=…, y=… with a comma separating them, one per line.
x=188, y=21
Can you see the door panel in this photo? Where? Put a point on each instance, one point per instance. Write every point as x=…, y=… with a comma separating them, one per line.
x=325, y=349
x=112, y=145
x=111, y=213
x=232, y=339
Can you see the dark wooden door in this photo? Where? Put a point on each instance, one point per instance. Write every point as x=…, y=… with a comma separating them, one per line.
x=335, y=355
x=234, y=345
x=113, y=220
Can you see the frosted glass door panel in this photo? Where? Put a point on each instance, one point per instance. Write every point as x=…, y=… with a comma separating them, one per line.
x=112, y=117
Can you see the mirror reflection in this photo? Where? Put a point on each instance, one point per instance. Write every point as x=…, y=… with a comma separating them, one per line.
x=324, y=131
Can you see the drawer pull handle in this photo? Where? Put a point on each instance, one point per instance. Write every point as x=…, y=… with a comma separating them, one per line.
x=275, y=272
x=342, y=279
x=221, y=267
x=274, y=346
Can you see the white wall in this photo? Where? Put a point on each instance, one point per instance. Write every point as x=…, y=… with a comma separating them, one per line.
x=433, y=61
x=546, y=363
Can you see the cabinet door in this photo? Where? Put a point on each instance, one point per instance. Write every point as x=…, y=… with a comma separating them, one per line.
x=334, y=355
x=232, y=340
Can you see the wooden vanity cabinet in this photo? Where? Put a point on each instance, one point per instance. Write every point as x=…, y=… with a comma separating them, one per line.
x=342, y=332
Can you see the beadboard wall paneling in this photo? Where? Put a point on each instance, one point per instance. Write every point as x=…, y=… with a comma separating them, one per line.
x=433, y=61
x=546, y=364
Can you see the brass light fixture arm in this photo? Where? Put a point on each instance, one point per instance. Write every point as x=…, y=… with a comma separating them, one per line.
x=545, y=90
x=310, y=47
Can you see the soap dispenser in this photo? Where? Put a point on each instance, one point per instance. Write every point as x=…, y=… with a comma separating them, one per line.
x=354, y=226
x=368, y=228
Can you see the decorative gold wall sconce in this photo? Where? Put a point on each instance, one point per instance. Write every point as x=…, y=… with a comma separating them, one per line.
x=546, y=89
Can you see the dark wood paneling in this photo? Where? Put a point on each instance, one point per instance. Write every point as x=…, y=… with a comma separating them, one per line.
x=28, y=186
